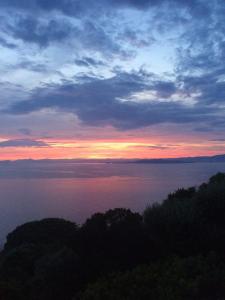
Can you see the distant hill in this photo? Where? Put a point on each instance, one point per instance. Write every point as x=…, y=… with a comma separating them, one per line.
x=196, y=159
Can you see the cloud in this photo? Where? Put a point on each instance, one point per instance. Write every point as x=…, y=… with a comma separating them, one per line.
x=136, y=38
x=202, y=48
x=77, y=7
x=66, y=6
x=85, y=35
x=165, y=89
x=25, y=131
x=100, y=102
x=81, y=63
x=218, y=140
x=94, y=36
x=208, y=87
x=23, y=143
x=89, y=62
x=6, y=44
x=157, y=147
x=32, y=66
x=31, y=30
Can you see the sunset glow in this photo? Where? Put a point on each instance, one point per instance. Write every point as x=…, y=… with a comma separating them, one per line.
x=109, y=149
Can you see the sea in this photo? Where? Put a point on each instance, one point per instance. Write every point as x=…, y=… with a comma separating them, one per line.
x=74, y=191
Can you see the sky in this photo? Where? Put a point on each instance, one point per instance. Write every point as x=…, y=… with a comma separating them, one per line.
x=111, y=78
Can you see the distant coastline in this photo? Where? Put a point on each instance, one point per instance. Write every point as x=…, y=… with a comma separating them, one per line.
x=195, y=159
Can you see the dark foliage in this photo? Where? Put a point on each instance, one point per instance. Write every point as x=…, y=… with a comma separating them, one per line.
x=196, y=278
x=47, y=231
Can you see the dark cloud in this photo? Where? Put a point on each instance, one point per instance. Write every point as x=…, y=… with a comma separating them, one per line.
x=25, y=131
x=81, y=63
x=89, y=62
x=142, y=4
x=23, y=143
x=135, y=38
x=31, y=30
x=165, y=89
x=66, y=6
x=94, y=37
x=157, y=147
x=87, y=35
x=203, y=129
x=79, y=8
x=15, y=3
x=72, y=7
x=31, y=66
x=106, y=102
x=218, y=140
x=207, y=87
x=6, y=44
x=92, y=33
x=202, y=45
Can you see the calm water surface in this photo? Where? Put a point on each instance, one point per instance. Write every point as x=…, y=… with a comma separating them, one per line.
x=74, y=191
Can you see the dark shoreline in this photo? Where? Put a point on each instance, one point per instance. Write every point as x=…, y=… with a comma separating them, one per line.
x=195, y=159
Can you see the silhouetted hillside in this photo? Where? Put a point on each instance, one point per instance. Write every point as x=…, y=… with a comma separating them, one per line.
x=196, y=159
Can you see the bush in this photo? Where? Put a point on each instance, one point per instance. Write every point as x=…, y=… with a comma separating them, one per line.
x=198, y=278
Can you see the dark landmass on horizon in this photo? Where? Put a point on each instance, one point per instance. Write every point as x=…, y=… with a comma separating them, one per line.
x=194, y=159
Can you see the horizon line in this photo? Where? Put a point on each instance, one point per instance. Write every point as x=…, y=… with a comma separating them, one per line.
x=111, y=159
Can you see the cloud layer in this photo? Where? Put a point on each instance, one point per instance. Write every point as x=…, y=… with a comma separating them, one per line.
x=23, y=143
